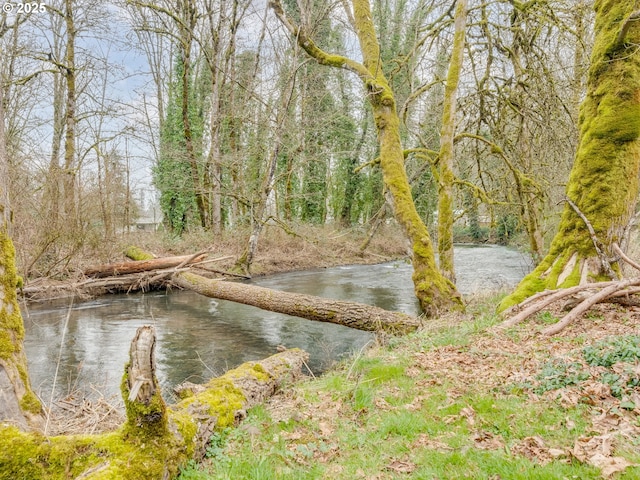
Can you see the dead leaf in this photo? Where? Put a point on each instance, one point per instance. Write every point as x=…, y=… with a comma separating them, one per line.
x=400, y=466
x=424, y=441
x=535, y=449
x=610, y=465
x=382, y=404
x=586, y=447
x=326, y=429
x=487, y=441
x=470, y=414
x=295, y=435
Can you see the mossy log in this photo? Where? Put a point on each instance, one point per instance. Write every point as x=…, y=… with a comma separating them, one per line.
x=350, y=314
x=127, y=268
x=156, y=439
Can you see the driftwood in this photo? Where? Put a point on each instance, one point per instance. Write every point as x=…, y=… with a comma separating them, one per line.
x=156, y=439
x=350, y=314
x=121, y=283
x=126, y=268
x=580, y=299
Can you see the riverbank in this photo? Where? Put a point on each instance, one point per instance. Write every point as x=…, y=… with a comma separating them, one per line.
x=458, y=399
x=278, y=251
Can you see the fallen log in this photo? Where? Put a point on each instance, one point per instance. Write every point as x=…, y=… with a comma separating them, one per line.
x=350, y=314
x=127, y=268
x=156, y=439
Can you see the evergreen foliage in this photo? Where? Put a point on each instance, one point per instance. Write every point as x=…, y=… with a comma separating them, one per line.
x=172, y=175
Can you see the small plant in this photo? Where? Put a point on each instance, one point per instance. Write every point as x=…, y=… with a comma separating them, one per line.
x=547, y=317
x=559, y=373
x=606, y=353
x=215, y=449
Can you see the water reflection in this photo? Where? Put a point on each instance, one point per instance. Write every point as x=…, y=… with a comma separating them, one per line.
x=199, y=337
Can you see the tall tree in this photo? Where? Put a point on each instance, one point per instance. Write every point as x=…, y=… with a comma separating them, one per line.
x=445, y=159
x=432, y=289
x=603, y=186
x=180, y=20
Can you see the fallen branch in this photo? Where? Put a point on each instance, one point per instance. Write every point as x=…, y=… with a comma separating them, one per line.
x=597, y=244
x=602, y=292
x=624, y=257
x=587, y=304
x=545, y=299
x=125, y=268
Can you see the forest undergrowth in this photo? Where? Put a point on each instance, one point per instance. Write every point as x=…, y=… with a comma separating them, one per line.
x=460, y=399
x=299, y=248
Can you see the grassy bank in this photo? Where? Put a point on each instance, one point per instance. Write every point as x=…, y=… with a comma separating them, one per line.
x=458, y=399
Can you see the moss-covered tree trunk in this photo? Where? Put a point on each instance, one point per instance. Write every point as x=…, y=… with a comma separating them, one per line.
x=445, y=159
x=432, y=289
x=18, y=404
x=603, y=185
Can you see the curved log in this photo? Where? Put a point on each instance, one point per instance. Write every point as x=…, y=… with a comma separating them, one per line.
x=156, y=439
x=350, y=314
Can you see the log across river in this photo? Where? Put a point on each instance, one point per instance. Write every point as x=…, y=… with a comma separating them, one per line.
x=199, y=336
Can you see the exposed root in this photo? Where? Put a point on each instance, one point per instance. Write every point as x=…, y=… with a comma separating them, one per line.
x=582, y=298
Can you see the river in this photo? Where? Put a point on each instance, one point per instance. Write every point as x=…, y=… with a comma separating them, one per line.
x=199, y=337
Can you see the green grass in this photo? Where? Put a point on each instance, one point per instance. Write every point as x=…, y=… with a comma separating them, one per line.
x=379, y=417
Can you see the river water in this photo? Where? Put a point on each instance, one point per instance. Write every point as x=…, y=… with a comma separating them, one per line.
x=199, y=337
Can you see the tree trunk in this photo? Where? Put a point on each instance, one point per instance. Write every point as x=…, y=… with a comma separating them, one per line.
x=445, y=159
x=156, y=439
x=18, y=404
x=433, y=290
x=603, y=185
x=350, y=314
x=126, y=268
x=259, y=212
x=69, y=177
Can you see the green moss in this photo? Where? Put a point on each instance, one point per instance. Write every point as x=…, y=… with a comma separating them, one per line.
x=144, y=421
x=7, y=347
x=136, y=253
x=530, y=285
x=30, y=403
x=28, y=455
x=187, y=428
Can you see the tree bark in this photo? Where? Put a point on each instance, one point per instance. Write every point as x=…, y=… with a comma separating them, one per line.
x=69, y=177
x=350, y=314
x=445, y=159
x=126, y=268
x=603, y=185
x=156, y=439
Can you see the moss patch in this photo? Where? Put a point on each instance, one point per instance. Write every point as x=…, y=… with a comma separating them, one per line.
x=136, y=253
